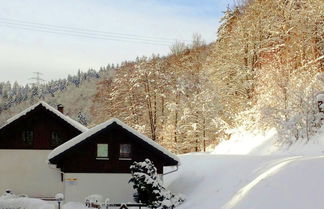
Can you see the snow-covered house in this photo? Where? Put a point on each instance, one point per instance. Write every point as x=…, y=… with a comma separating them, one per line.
x=26, y=140
x=44, y=152
x=98, y=160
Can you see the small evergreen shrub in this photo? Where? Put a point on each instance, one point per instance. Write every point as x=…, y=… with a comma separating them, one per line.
x=149, y=187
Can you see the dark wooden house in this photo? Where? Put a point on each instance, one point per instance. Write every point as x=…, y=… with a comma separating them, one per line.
x=98, y=160
x=26, y=139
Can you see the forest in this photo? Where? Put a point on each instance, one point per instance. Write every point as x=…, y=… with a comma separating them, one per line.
x=263, y=71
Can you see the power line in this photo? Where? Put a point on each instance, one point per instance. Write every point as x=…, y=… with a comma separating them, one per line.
x=90, y=30
x=76, y=32
x=94, y=34
x=81, y=35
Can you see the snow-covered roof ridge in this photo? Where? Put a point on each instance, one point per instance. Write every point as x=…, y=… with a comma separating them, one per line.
x=69, y=120
x=76, y=140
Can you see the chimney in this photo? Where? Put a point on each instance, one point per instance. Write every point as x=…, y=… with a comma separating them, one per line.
x=60, y=108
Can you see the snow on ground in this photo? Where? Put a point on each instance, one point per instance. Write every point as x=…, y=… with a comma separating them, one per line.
x=11, y=201
x=74, y=205
x=246, y=182
x=253, y=173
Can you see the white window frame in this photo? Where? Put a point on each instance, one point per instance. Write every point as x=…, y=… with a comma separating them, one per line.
x=99, y=157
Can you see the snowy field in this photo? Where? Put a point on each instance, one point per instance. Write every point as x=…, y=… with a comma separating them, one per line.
x=252, y=172
x=246, y=182
x=248, y=172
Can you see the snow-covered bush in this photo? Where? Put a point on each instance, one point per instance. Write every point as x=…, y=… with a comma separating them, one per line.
x=149, y=187
x=94, y=200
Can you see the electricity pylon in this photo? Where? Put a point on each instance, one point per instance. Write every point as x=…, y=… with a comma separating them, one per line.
x=37, y=78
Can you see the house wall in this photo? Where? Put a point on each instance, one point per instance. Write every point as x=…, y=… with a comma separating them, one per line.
x=27, y=172
x=114, y=186
x=42, y=122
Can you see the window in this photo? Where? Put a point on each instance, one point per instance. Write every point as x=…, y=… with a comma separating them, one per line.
x=102, y=151
x=28, y=137
x=125, y=151
x=56, y=138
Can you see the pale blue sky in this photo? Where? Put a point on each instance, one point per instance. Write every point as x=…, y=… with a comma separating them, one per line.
x=24, y=51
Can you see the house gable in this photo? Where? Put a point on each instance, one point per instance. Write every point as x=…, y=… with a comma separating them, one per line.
x=79, y=155
x=41, y=120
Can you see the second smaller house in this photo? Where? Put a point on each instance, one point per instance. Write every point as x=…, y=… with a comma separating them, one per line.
x=98, y=161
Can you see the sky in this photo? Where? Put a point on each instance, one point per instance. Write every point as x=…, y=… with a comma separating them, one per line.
x=60, y=37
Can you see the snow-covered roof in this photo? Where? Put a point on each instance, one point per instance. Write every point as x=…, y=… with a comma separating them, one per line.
x=69, y=120
x=76, y=140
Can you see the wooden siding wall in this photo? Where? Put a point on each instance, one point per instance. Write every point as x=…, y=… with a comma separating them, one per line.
x=42, y=122
x=82, y=157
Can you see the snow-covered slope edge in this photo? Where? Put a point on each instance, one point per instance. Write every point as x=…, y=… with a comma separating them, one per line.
x=267, y=143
